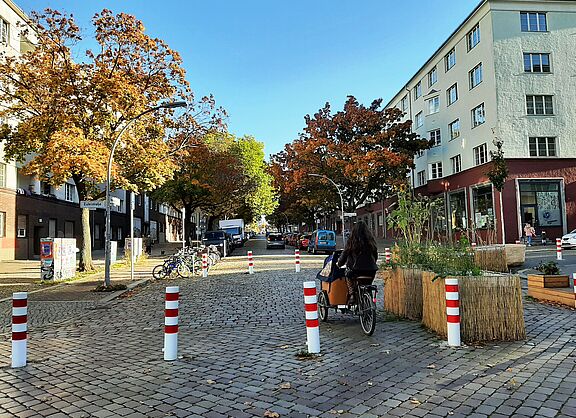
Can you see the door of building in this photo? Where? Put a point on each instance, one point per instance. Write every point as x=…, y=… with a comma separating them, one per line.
x=37, y=234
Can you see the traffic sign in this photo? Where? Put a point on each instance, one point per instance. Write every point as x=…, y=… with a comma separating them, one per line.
x=114, y=201
x=349, y=214
x=93, y=204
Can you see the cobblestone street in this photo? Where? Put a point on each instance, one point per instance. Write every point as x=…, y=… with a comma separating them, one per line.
x=239, y=336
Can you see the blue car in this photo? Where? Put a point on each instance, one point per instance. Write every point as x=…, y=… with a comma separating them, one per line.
x=322, y=240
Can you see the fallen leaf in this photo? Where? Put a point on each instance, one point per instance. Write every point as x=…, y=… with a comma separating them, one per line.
x=370, y=383
x=374, y=345
x=415, y=401
x=271, y=414
x=285, y=385
x=284, y=346
x=509, y=369
x=431, y=366
x=210, y=381
x=490, y=365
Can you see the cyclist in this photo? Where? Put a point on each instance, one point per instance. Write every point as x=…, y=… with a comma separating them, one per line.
x=359, y=257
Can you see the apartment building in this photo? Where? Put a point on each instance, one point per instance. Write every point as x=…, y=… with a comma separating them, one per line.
x=508, y=72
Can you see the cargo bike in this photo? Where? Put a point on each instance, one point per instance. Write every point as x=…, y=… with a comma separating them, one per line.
x=334, y=294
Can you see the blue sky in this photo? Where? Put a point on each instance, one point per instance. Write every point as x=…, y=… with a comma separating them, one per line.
x=269, y=63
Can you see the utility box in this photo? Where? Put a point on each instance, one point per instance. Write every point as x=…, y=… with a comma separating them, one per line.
x=57, y=258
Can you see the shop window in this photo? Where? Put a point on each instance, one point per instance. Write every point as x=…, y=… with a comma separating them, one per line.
x=483, y=207
x=540, y=203
x=458, y=218
x=69, y=229
x=52, y=228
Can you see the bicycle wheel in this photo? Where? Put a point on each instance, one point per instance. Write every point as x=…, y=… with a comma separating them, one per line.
x=159, y=272
x=323, y=306
x=183, y=270
x=367, y=313
x=198, y=267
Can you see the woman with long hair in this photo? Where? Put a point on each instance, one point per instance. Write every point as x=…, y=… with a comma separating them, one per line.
x=359, y=257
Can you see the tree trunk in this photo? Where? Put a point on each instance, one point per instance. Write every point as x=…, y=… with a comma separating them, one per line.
x=86, y=243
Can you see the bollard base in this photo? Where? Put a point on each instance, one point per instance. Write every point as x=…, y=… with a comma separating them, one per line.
x=313, y=340
x=19, y=353
x=170, y=347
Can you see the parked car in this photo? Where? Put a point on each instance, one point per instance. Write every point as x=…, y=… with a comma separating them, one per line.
x=569, y=240
x=322, y=240
x=221, y=239
x=275, y=240
x=303, y=241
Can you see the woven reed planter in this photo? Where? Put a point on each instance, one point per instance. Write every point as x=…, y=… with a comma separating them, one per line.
x=403, y=293
x=490, y=307
x=500, y=257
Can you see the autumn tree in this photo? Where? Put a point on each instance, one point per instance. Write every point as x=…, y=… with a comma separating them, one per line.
x=71, y=111
x=223, y=176
x=367, y=151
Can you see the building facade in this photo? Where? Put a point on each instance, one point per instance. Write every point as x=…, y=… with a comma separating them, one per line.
x=507, y=73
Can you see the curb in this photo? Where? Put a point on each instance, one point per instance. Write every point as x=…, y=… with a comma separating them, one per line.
x=55, y=286
x=129, y=287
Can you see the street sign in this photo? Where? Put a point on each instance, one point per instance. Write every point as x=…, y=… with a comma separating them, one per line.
x=114, y=201
x=93, y=204
x=349, y=214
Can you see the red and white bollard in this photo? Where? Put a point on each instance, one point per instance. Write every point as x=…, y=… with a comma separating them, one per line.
x=297, y=260
x=517, y=241
x=204, y=265
x=473, y=245
x=171, y=323
x=558, y=248
x=312, y=325
x=388, y=255
x=19, y=329
x=453, y=312
x=250, y=263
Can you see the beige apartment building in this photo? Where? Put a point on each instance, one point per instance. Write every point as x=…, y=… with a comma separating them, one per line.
x=507, y=72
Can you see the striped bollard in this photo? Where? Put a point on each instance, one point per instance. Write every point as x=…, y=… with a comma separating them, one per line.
x=473, y=245
x=558, y=249
x=297, y=260
x=388, y=255
x=453, y=312
x=311, y=309
x=204, y=265
x=517, y=241
x=171, y=323
x=250, y=263
x=19, y=329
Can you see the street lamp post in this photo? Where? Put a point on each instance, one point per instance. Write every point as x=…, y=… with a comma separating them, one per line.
x=287, y=221
x=341, y=202
x=108, y=236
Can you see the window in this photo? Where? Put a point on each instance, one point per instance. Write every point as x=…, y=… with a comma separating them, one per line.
x=480, y=154
x=404, y=104
x=45, y=188
x=478, y=116
x=540, y=203
x=539, y=105
x=536, y=62
x=542, y=146
x=4, y=32
x=420, y=154
x=452, y=94
x=119, y=234
x=2, y=175
x=22, y=226
x=533, y=22
x=2, y=224
x=421, y=178
x=419, y=120
x=69, y=192
x=457, y=207
x=475, y=76
x=435, y=137
x=139, y=200
x=432, y=77
x=450, y=59
x=473, y=37
x=436, y=170
x=454, y=129
x=483, y=207
x=69, y=229
x=433, y=105
x=97, y=231
x=52, y=227
x=418, y=90
x=456, y=164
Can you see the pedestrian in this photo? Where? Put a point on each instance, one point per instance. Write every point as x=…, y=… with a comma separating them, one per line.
x=359, y=257
x=529, y=231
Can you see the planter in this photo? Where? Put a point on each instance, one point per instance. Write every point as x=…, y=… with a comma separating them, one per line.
x=490, y=307
x=500, y=257
x=403, y=293
x=548, y=281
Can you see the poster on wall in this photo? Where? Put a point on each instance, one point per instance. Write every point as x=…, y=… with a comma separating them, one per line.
x=549, y=213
